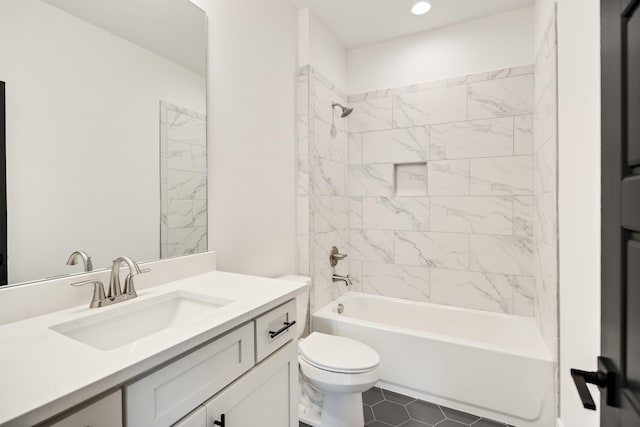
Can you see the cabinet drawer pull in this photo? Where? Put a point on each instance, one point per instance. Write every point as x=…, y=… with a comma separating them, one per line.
x=219, y=423
x=286, y=326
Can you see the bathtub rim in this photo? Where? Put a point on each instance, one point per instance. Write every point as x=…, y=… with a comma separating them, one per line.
x=328, y=312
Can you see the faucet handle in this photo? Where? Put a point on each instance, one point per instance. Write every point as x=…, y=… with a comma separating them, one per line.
x=335, y=256
x=98, y=291
x=129, y=288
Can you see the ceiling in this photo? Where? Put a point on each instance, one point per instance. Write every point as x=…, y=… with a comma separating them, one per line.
x=174, y=29
x=358, y=23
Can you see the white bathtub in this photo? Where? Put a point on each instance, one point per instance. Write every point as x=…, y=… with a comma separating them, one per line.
x=493, y=365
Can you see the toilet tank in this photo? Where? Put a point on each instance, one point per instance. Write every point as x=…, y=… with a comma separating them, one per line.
x=302, y=301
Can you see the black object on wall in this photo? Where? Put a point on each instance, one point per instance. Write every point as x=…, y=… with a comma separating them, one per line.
x=620, y=324
x=3, y=187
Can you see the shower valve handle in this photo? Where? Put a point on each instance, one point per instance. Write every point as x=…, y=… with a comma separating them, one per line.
x=335, y=256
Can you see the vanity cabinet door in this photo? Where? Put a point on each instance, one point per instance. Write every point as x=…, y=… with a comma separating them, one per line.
x=168, y=394
x=267, y=396
x=106, y=412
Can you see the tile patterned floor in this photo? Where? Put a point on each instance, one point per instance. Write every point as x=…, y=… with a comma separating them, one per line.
x=383, y=408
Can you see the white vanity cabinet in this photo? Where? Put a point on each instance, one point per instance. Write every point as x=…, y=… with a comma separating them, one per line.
x=185, y=352
x=267, y=396
x=166, y=395
x=244, y=377
x=249, y=375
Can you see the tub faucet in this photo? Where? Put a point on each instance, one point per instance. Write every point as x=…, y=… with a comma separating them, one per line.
x=86, y=260
x=346, y=279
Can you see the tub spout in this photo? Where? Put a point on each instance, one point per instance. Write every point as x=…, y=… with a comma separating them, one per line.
x=346, y=279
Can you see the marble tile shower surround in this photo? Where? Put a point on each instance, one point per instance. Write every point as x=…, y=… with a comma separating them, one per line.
x=441, y=191
x=323, y=219
x=545, y=157
x=470, y=231
x=183, y=179
x=445, y=192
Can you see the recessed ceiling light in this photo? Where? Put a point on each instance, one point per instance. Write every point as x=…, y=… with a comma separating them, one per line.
x=420, y=8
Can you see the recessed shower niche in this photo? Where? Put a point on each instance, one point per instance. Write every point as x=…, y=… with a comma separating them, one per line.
x=410, y=179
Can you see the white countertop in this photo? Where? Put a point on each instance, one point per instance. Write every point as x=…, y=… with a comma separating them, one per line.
x=43, y=372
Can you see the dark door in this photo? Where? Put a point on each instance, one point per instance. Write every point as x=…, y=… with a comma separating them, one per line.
x=618, y=373
x=3, y=189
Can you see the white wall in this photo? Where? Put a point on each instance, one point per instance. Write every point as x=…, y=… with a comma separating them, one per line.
x=73, y=123
x=490, y=43
x=252, y=64
x=321, y=49
x=579, y=199
x=304, y=34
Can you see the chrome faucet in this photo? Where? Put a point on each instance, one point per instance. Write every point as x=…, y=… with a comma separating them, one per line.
x=86, y=260
x=116, y=294
x=115, y=290
x=129, y=291
x=346, y=279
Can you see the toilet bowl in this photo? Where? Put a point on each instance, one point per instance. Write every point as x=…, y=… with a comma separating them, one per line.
x=341, y=369
x=334, y=371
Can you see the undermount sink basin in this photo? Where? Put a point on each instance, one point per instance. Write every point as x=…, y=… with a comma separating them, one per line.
x=131, y=321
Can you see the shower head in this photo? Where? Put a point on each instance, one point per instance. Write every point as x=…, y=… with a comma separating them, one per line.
x=345, y=110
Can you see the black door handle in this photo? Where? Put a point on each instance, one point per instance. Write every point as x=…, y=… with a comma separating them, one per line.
x=580, y=379
x=606, y=377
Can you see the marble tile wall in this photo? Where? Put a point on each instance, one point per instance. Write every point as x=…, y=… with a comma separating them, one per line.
x=183, y=181
x=323, y=205
x=545, y=149
x=440, y=191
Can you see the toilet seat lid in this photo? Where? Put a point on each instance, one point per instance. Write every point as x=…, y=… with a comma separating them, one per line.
x=338, y=354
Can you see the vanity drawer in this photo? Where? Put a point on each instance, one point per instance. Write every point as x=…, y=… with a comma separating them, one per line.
x=275, y=328
x=168, y=394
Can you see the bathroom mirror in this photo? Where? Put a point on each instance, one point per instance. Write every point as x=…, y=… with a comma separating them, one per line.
x=105, y=132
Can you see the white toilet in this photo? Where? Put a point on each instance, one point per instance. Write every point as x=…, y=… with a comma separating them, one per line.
x=338, y=370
